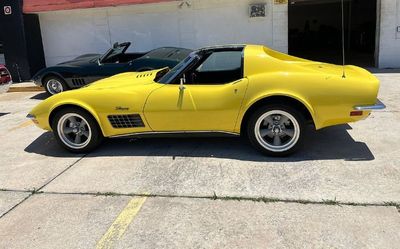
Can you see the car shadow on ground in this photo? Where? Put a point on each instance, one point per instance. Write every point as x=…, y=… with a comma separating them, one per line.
x=41, y=96
x=327, y=144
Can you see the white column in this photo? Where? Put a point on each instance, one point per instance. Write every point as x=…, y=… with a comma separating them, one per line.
x=389, y=41
x=280, y=26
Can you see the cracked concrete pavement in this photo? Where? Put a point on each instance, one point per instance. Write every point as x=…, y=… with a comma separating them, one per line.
x=349, y=175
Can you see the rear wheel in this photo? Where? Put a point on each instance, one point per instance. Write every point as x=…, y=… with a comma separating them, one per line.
x=54, y=85
x=276, y=130
x=76, y=130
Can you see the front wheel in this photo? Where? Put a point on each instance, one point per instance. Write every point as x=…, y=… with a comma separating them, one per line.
x=76, y=130
x=276, y=130
x=54, y=85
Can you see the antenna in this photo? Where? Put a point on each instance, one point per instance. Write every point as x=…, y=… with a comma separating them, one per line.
x=343, y=42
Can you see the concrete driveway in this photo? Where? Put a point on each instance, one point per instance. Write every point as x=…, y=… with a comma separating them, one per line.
x=341, y=191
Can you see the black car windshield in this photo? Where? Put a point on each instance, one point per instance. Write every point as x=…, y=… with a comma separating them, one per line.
x=174, y=72
x=114, y=52
x=169, y=53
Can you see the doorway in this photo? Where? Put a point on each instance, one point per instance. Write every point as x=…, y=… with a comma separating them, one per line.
x=315, y=30
x=2, y=59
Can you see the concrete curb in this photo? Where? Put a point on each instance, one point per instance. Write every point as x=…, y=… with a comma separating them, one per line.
x=25, y=87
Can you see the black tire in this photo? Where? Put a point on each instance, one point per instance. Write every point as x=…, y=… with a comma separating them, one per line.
x=92, y=127
x=46, y=84
x=266, y=144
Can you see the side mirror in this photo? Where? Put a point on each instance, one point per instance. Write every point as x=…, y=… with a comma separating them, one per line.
x=116, y=45
x=98, y=62
x=181, y=85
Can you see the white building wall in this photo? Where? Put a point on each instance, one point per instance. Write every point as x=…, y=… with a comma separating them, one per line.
x=67, y=34
x=389, y=44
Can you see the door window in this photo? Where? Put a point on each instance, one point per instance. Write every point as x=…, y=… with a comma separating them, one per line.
x=217, y=68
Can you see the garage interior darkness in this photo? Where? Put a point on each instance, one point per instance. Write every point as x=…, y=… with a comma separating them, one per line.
x=2, y=59
x=315, y=30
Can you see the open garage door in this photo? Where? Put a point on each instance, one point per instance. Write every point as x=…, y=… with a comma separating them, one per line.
x=315, y=30
x=2, y=59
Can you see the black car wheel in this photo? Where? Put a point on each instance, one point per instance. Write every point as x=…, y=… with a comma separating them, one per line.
x=76, y=130
x=54, y=85
x=276, y=130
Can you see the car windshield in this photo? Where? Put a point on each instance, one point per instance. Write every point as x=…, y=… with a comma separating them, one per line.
x=169, y=53
x=113, y=52
x=174, y=72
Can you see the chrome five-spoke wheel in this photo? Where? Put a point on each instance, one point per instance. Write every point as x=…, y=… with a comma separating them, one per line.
x=276, y=130
x=74, y=131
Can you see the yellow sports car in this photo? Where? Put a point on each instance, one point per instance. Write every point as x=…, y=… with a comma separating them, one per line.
x=247, y=90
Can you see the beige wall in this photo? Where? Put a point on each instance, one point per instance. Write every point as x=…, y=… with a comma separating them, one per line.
x=389, y=40
x=67, y=34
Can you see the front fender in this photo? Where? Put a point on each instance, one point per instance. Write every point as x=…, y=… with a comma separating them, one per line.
x=77, y=103
x=39, y=76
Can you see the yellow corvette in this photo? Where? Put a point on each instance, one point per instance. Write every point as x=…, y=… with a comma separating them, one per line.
x=246, y=90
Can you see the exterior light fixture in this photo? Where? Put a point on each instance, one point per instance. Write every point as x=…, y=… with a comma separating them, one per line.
x=257, y=10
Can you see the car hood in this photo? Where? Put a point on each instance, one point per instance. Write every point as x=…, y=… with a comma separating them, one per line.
x=124, y=81
x=81, y=60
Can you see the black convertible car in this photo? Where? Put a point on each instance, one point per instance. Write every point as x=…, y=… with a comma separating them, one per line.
x=91, y=67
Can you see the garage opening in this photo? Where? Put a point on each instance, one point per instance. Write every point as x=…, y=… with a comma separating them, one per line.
x=2, y=58
x=315, y=30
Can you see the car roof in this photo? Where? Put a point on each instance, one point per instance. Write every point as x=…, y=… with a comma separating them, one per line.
x=222, y=47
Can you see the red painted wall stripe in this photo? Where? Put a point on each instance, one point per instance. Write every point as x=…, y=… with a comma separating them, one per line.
x=34, y=6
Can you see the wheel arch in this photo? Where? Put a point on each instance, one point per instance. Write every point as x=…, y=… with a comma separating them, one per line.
x=51, y=73
x=304, y=108
x=80, y=106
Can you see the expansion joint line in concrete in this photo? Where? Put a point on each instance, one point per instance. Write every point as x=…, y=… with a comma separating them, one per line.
x=233, y=198
x=36, y=191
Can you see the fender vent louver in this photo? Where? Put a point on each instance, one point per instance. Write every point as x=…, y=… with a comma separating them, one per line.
x=144, y=75
x=126, y=121
x=78, y=82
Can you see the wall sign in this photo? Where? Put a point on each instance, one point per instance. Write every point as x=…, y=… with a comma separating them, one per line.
x=257, y=10
x=7, y=10
x=280, y=1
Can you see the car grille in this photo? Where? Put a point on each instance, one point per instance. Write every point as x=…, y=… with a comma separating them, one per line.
x=78, y=82
x=126, y=121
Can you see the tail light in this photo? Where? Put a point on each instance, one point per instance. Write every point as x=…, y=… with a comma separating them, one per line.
x=356, y=113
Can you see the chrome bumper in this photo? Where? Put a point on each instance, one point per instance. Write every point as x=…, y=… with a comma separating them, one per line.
x=378, y=106
x=30, y=116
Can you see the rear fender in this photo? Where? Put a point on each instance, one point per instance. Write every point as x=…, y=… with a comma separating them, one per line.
x=267, y=95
